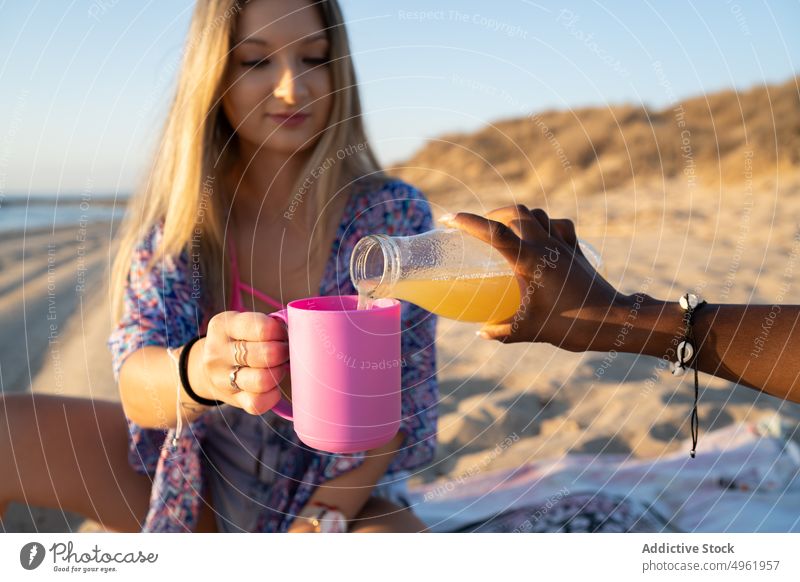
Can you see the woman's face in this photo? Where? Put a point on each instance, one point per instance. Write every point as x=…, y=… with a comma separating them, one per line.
x=278, y=80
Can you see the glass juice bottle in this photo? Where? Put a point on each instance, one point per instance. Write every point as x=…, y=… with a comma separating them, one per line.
x=444, y=271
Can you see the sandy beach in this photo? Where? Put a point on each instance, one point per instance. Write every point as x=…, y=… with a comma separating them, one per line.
x=55, y=320
x=736, y=246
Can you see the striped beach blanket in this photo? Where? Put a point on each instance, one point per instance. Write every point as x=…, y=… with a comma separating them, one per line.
x=744, y=479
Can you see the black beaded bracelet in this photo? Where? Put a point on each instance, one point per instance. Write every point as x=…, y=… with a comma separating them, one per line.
x=183, y=371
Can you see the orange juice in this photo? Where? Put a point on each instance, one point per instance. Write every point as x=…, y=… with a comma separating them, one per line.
x=475, y=298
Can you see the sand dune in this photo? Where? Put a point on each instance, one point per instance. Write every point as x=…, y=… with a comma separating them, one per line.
x=720, y=139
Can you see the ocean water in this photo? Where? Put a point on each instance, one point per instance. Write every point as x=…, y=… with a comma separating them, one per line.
x=20, y=213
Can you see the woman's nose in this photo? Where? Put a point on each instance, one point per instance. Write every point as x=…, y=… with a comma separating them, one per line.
x=290, y=88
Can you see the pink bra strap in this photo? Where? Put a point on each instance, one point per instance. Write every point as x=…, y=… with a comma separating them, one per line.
x=263, y=296
x=238, y=285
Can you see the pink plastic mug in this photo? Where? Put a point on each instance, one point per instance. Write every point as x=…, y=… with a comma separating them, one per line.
x=345, y=368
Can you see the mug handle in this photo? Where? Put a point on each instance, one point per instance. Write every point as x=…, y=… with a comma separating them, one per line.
x=283, y=408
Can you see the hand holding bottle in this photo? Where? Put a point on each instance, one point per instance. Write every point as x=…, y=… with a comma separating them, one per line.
x=564, y=299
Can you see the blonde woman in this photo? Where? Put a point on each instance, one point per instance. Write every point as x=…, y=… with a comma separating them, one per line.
x=262, y=184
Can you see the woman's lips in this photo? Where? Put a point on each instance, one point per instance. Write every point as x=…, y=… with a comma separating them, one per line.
x=289, y=120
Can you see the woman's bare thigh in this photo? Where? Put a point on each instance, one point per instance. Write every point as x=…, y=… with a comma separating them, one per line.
x=71, y=453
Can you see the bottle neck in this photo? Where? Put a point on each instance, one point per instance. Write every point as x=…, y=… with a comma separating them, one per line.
x=375, y=266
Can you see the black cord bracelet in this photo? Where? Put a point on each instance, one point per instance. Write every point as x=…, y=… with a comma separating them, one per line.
x=183, y=371
x=687, y=352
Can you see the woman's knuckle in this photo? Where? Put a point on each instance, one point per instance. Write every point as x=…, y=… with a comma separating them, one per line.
x=259, y=326
x=260, y=378
x=268, y=352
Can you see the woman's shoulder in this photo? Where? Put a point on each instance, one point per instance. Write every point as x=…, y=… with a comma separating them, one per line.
x=395, y=204
x=392, y=191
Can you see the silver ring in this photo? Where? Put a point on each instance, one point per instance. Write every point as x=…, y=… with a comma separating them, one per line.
x=240, y=352
x=232, y=377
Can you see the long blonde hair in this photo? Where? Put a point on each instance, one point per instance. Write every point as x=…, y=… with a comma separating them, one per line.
x=184, y=187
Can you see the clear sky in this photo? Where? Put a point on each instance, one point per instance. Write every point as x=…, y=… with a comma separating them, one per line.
x=85, y=82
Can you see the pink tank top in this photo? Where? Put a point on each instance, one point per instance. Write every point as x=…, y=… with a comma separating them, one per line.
x=236, y=303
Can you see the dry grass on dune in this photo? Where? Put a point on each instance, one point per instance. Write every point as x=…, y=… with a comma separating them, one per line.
x=704, y=139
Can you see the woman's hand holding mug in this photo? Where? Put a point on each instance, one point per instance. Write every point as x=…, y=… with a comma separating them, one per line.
x=249, y=348
x=346, y=373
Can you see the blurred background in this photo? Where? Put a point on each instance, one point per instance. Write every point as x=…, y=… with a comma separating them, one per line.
x=668, y=131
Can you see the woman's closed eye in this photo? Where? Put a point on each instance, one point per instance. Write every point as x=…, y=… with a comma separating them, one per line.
x=255, y=63
x=316, y=61
x=311, y=61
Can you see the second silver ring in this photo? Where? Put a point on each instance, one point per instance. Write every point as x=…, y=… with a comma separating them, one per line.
x=232, y=377
x=240, y=352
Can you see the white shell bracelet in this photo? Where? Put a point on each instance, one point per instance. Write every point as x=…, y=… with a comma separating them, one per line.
x=684, y=353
